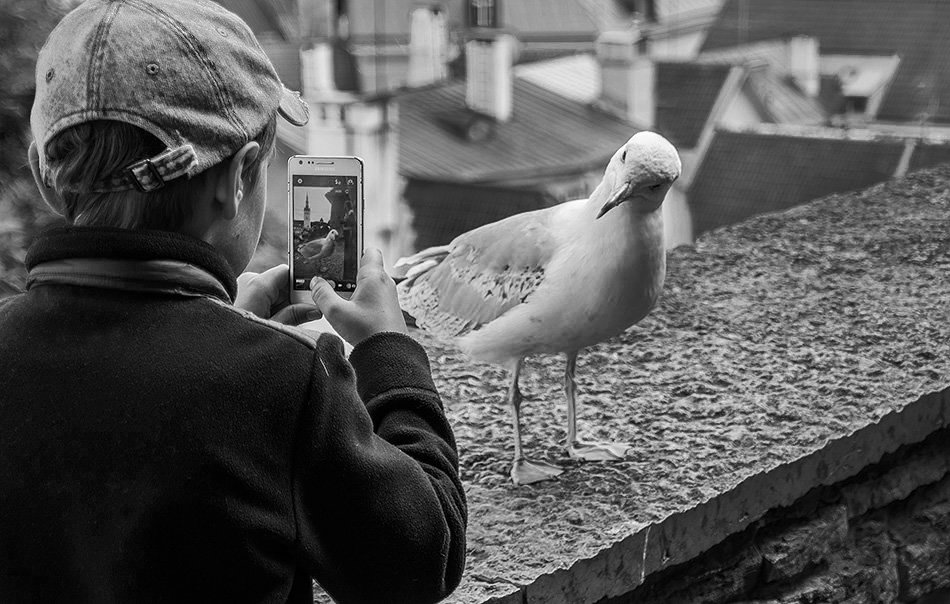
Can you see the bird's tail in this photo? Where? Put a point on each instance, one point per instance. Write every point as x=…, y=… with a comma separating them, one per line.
x=407, y=270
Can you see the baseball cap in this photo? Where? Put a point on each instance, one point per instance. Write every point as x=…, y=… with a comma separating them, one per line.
x=189, y=72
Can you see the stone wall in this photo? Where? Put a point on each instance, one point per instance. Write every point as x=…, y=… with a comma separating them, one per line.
x=883, y=536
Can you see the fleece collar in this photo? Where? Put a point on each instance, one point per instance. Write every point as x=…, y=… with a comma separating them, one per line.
x=136, y=260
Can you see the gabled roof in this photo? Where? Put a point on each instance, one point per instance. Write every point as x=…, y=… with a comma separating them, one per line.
x=546, y=135
x=747, y=173
x=576, y=77
x=673, y=10
x=389, y=20
x=781, y=101
x=608, y=16
x=685, y=95
x=915, y=30
x=685, y=92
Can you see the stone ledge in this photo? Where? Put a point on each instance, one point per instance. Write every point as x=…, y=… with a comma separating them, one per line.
x=787, y=352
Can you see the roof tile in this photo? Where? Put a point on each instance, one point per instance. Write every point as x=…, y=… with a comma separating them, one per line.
x=547, y=134
x=686, y=93
x=782, y=101
x=916, y=30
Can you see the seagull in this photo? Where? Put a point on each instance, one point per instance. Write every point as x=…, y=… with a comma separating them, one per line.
x=555, y=280
x=319, y=248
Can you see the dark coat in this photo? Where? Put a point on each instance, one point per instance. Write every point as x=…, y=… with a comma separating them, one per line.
x=159, y=445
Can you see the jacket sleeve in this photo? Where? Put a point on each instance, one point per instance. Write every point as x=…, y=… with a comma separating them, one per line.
x=380, y=510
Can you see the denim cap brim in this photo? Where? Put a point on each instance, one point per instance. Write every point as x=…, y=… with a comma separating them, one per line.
x=293, y=108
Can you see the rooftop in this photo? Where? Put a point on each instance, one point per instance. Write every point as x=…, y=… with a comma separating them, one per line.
x=372, y=20
x=748, y=173
x=781, y=101
x=685, y=92
x=914, y=30
x=546, y=135
x=685, y=95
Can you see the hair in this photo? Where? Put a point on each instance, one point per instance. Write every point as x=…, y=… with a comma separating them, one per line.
x=86, y=153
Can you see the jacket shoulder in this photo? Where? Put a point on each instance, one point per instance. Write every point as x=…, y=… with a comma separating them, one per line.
x=292, y=333
x=4, y=301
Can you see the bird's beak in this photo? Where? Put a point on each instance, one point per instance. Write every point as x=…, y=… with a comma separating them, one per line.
x=619, y=196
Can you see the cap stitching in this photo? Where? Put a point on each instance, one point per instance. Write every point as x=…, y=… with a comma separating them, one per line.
x=93, y=83
x=223, y=95
x=142, y=121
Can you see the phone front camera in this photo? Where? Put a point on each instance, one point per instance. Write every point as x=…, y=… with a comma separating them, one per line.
x=300, y=162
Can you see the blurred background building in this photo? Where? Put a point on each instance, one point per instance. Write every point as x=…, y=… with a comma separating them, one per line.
x=466, y=111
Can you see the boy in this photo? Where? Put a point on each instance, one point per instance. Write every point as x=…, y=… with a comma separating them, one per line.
x=164, y=438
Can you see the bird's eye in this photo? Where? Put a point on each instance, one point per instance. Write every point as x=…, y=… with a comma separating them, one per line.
x=623, y=156
x=655, y=187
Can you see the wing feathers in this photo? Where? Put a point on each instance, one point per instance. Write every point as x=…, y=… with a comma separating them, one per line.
x=454, y=289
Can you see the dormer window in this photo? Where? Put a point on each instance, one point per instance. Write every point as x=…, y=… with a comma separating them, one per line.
x=483, y=13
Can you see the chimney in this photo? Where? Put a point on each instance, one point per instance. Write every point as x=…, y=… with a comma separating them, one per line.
x=428, y=45
x=803, y=63
x=316, y=69
x=488, y=74
x=627, y=76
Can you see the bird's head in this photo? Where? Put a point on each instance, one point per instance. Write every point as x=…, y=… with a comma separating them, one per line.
x=333, y=235
x=641, y=171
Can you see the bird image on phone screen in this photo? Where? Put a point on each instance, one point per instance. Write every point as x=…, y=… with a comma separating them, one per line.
x=324, y=230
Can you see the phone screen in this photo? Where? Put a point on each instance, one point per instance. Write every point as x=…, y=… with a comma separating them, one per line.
x=324, y=229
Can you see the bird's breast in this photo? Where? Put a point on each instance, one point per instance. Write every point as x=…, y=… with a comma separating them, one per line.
x=594, y=288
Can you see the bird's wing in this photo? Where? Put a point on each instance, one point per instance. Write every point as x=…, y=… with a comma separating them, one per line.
x=454, y=289
x=312, y=247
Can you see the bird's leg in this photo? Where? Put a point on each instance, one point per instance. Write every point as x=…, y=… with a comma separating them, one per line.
x=575, y=448
x=522, y=470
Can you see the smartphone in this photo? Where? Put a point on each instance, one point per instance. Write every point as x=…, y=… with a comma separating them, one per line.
x=325, y=220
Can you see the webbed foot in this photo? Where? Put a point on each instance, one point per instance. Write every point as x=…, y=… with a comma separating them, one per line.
x=529, y=472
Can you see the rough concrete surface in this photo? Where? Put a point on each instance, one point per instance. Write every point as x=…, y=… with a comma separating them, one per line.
x=788, y=351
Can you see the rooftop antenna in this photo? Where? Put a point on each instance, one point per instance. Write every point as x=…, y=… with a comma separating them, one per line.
x=742, y=23
x=379, y=20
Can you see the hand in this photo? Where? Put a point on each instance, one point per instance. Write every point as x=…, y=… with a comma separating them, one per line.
x=267, y=295
x=372, y=309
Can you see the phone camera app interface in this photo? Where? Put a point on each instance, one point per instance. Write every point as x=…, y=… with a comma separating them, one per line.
x=324, y=230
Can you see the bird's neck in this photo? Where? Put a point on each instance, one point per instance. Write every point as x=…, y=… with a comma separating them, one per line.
x=627, y=232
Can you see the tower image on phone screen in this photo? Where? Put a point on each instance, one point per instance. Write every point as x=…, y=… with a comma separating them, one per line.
x=324, y=229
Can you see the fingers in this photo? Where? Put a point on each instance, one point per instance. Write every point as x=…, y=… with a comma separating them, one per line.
x=271, y=285
x=275, y=279
x=295, y=314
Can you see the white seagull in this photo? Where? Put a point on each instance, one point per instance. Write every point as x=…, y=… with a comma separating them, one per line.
x=319, y=248
x=555, y=280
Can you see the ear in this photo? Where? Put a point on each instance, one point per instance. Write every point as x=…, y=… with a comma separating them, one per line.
x=231, y=188
x=50, y=196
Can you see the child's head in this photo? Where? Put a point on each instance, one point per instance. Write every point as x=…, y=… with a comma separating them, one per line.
x=145, y=105
x=85, y=154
